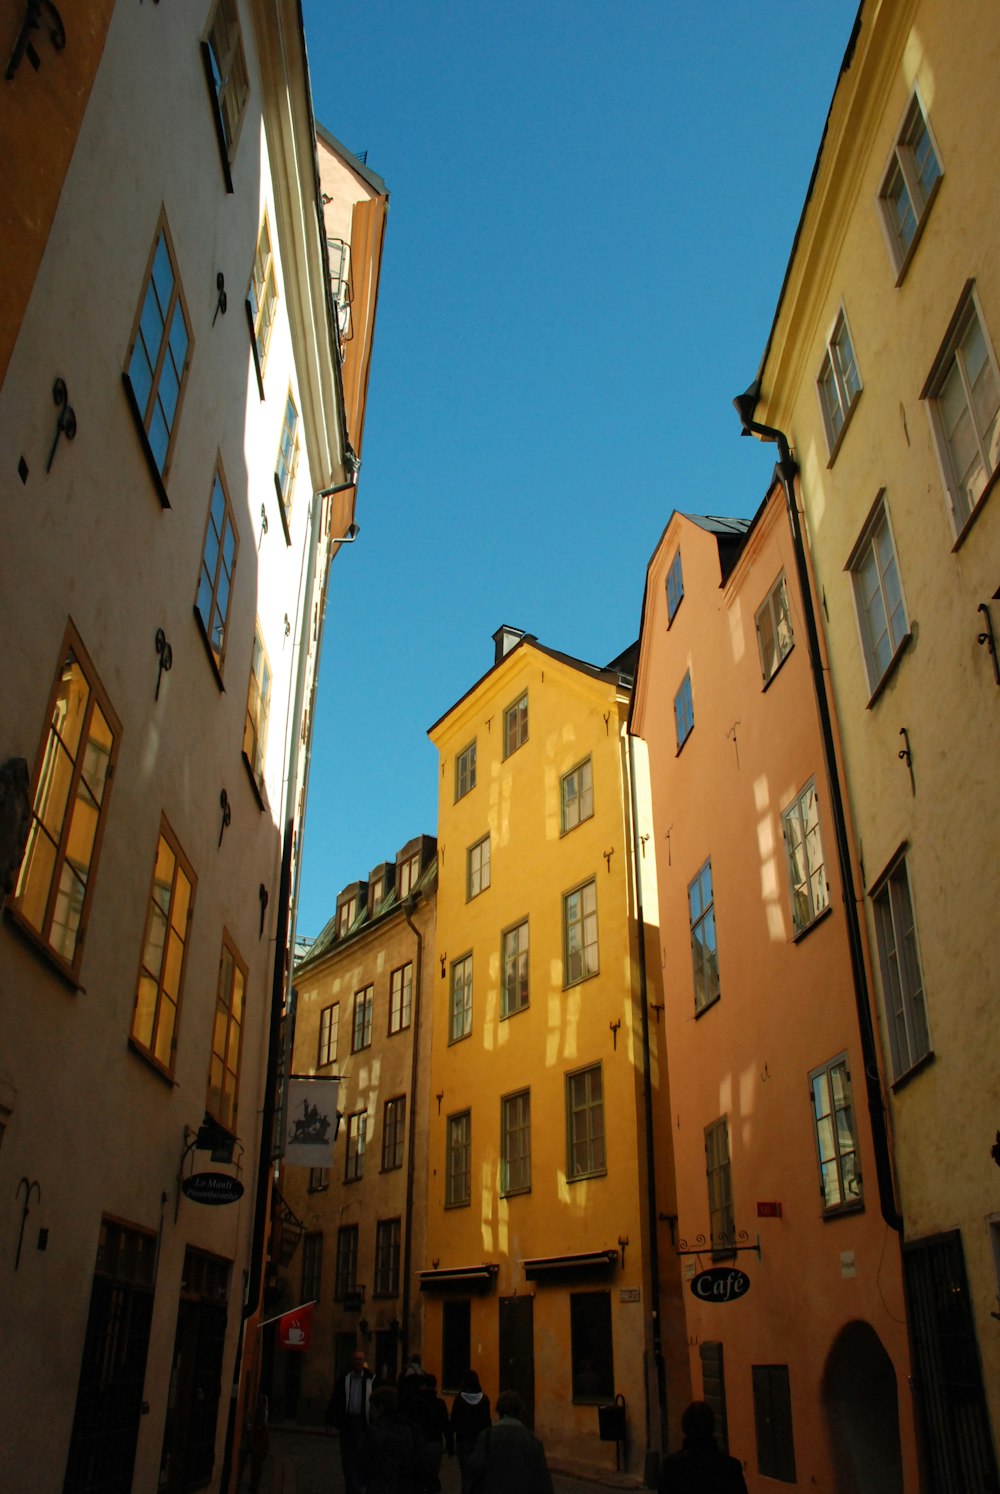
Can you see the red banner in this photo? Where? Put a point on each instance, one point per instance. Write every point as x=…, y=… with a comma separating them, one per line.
x=295, y=1327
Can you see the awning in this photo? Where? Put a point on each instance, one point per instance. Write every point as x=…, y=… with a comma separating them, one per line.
x=459, y=1279
x=562, y=1267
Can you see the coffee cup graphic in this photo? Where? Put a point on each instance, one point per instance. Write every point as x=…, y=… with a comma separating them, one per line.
x=295, y=1334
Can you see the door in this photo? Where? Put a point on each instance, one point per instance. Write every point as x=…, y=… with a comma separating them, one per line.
x=517, y=1351
x=188, y=1456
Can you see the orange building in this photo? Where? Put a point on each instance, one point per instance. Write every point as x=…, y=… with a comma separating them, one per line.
x=784, y=1187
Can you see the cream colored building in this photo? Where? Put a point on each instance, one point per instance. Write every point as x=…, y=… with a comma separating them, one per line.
x=881, y=374
x=174, y=412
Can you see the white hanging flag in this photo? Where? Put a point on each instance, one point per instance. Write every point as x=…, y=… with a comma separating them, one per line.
x=310, y=1122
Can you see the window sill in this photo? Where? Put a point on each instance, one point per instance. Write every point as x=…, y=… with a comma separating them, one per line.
x=579, y=980
x=974, y=515
x=282, y=509
x=459, y=1038
x=470, y=897
x=203, y=632
x=839, y=441
x=568, y=829
x=515, y=1012
x=700, y=1011
x=687, y=738
x=891, y=667
x=220, y=134
x=147, y=450
x=359, y=1179
x=41, y=950
x=395, y=1031
x=515, y=1192
x=583, y=1177
x=821, y=917
x=911, y=1073
x=144, y=1055
x=462, y=1203
x=838, y=1211
x=259, y=792
x=384, y=1296
x=777, y=669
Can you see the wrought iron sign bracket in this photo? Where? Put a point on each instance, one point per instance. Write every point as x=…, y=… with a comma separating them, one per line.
x=23, y=47
x=988, y=637
x=704, y=1246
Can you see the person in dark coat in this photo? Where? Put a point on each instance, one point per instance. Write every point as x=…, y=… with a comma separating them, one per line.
x=348, y=1411
x=508, y=1456
x=435, y=1425
x=391, y=1458
x=701, y=1467
x=470, y=1415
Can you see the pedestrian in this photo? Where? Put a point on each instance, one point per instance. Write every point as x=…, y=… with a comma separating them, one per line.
x=701, y=1467
x=507, y=1456
x=391, y=1457
x=349, y=1411
x=435, y=1425
x=409, y=1384
x=470, y=1415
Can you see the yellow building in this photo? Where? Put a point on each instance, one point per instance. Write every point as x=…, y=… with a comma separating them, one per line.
x=542, y=1268
x=881, y=378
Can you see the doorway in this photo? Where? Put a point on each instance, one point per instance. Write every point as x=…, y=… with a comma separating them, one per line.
x=517, y=1351
x=188, y=1455
x=862, y=1413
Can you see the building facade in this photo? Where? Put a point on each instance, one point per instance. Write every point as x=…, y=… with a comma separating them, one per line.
x=881, y=382
x=787, y=1226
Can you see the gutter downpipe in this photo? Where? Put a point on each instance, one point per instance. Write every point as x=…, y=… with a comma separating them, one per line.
x=647, y=1095
x=409, y=903
x=785, y=470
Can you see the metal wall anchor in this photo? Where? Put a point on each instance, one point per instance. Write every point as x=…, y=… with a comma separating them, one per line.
x=166, y=654
x=66, y=424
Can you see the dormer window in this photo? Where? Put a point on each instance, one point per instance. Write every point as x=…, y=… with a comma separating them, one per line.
x=409, y=873
x=346, y=914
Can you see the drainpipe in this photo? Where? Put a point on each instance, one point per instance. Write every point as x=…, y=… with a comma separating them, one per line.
x=785, y=470
x=409, y=903
x=647, y=1095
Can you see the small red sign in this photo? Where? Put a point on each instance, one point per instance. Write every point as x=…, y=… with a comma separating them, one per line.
x=769, y=1211
x=295, y=1328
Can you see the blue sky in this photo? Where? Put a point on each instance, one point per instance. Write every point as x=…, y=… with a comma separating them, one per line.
x=591, y=210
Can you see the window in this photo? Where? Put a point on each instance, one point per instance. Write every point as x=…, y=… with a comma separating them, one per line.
x=357, y=1129
x=515, y=725
x=683, y=711
x=515, y=1143
x=836, y=1138
x=387, y=1258
x=227, y=1037
x=902, y=979
x=159, y=357
x=722, y=1227
x=774, y=628
x=804, y=849
x=704, y=953
x=458, y=1161
x=74, y=768
x=839, y=382
x=964, y=394
x=675, y=587
x=312, y=1265
x=772, y=1412
x=460, y=1024
x=288, y=460
x=908, y=188
x=591, y=1346
x=262, y=297
x=576, y=796
x=347, y=912
x=400, y=998
x=346, y=1282
x=226, y=70
x=218, y=561
x=393, y=1133
x=258, y=708
x=465, y=771
x=878, y=595
x=515, y=970
x=329, y=1028
x=580, y=932
x=409, y=872
x=164, y=953
x=585, y=1123
x=361, y=1035
x=477, y=869
x=319, y=1179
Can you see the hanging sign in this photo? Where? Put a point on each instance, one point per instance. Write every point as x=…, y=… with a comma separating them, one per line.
x=295, y=1328
x=310, y=1122
x=720, y=1284
x=212, y=1188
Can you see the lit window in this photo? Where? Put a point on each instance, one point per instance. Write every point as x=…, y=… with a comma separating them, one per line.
x=704, y=952
x=400, y=998
x=675, y=587
x=158, y=357
x=227, y=1037
x=720, y=1186
x=774, y=628
x=164, y=954
x=393, y=1133
x=576, y=796
x=357, y=1128
x=515, y=725
x=258, y=709
x=72, y=778
x=226, y=69
x=361, y=1035
x=902, y=977
x=515, y=970
x=585, y=1123
x=580, y=932
x=683, y=711
x=909, y=183
x=477, y=872
x=804, y=850
x=312, y=1265
x=262, y=297
x=346, y=1281
x=329, y=1025
x=460, y=1023
x=288, y=460
x=836, y=1137
x=878, y=595
x=465, y=771
x=515, y=1143
x=218, y=562
x=964, y=392
x=839, y=382
x=458, y=1160
x=387, y=1258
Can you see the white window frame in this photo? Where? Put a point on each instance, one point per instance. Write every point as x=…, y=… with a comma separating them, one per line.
x=902, y=170
x=400, y=998
x=581, y=949
x=842, y=376
x=879, y=603
x=836, y=1136
x=773, y=622
x=576, y=796
x=951, y=361
x=807, y=884
x=900, y=966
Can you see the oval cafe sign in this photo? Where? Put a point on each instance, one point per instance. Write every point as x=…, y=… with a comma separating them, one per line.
x=720, y=1284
